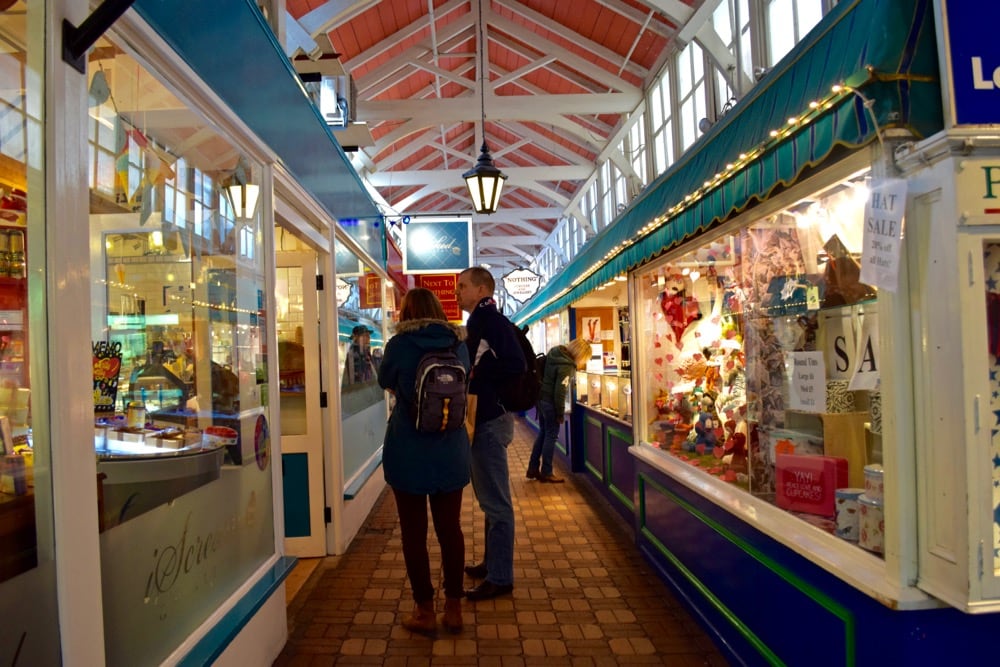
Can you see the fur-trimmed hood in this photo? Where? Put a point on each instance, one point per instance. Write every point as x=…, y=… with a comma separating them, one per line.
x=410, y=326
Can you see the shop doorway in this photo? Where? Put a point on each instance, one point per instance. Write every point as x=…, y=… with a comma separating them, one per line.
x=299, y=372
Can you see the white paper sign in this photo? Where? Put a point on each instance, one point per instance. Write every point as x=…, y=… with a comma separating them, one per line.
x=806, y=381
x=883, y=233
x=866, y=375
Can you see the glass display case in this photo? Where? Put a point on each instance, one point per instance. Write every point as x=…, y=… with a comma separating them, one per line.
x=761, y=367
x=610, y=395
x=582, y=388
x=625, y=397
x=595, y=386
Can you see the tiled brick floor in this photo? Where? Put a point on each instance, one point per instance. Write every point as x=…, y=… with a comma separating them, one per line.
x=583, y=595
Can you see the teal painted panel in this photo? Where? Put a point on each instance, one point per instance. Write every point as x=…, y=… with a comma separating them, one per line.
x=211, y=646
x=295, y=483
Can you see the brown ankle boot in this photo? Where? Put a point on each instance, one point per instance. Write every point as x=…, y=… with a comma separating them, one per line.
x=422, y=619
x=452, y=617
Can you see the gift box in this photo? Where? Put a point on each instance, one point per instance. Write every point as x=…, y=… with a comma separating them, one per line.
x=809, y=483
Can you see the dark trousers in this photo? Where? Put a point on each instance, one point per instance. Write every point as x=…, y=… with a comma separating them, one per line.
x=446, y=512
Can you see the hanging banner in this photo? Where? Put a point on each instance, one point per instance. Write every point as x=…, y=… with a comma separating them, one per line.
x=437, y=245
x=521, y=284
x=443, y=286
x=883, y=234
x=371, y=291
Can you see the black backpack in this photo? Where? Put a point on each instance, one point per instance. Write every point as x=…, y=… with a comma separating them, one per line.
x=441, y=388
x=520, y=391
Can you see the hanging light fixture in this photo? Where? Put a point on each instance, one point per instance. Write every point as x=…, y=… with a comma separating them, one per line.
x=241, y=195
x=485, y=181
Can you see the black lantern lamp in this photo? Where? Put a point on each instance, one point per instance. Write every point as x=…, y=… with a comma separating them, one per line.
x=485, y=181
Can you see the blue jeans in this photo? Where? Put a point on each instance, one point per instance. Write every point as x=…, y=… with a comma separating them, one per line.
x=545, y=441
x=491, y=483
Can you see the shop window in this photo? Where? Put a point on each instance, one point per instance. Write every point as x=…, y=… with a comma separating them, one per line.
x=27, y=543
x=362, y=400
x=761, y=362
x=178, y=327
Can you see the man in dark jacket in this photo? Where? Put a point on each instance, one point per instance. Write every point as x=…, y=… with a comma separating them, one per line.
x=496, y=356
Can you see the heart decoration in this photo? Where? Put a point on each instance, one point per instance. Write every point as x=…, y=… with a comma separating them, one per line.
x=107, y=368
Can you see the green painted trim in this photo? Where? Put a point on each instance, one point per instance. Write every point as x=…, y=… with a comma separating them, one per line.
x=599, y=474
x=615, y=491
x=810, y=591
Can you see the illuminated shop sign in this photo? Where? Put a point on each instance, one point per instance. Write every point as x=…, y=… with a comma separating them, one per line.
x=437, y=245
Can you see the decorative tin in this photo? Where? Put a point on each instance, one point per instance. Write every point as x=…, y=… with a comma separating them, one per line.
x=847, y=509
x=873, y=481
x=871, y=524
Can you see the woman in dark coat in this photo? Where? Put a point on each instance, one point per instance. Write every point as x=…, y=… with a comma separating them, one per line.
x=560, y=364
x=422, y=467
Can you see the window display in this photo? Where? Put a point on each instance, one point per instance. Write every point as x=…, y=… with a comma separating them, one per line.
x=179, y=316
x=761, y=361
x=28, y=545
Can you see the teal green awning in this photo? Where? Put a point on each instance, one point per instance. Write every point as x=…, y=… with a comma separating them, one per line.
x=881, y=50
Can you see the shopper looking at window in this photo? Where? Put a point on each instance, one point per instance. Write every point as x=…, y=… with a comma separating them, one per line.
x=425, y=467
x=560, y=363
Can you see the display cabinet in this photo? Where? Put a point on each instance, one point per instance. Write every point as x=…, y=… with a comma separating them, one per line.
x=595, y=387
x=610, y=394
x=625, y=396
x=582, y=387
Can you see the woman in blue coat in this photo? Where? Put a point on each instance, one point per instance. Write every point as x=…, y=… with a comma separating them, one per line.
x=425, y=467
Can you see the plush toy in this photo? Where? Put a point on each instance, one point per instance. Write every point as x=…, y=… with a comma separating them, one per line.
x=679, y=311
x=705, y=425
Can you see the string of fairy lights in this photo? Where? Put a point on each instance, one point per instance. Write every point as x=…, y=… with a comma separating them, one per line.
x=777, y=135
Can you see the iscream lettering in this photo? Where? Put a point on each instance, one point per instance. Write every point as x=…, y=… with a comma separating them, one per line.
x=192, y=551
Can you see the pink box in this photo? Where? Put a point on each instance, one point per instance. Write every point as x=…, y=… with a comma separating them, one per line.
x=808, y=483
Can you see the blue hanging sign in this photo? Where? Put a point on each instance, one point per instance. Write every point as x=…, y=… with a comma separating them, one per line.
x=970, y=57
x=437, y=245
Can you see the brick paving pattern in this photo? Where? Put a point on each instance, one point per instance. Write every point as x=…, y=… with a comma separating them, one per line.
x=583, y=595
